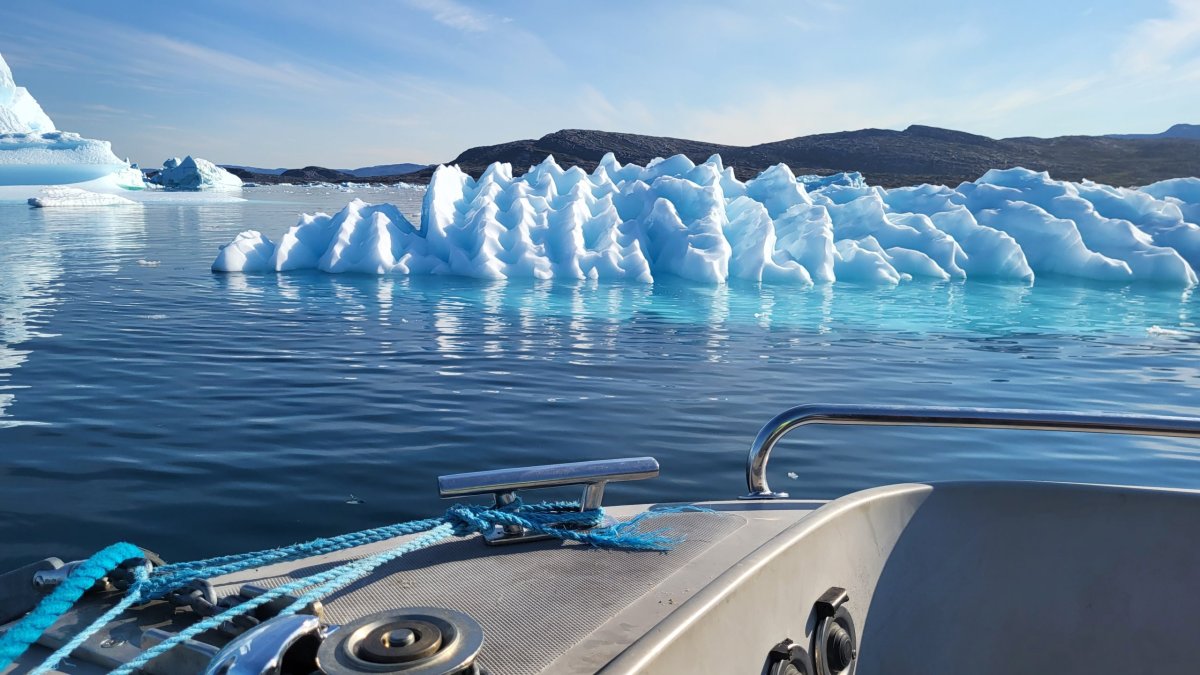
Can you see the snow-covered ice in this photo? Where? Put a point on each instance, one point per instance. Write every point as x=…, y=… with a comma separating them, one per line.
x=20, y=113
x=701, y=223
x=57, y=158
x=59, y=196
x=34, y=152
x=193, y=173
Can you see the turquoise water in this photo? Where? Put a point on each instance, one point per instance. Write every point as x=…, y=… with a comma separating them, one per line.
x=144, y=398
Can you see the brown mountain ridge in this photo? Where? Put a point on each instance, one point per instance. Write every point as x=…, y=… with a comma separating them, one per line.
x=918, y=154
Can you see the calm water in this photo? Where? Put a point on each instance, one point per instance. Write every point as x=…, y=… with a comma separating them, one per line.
x=144, y=398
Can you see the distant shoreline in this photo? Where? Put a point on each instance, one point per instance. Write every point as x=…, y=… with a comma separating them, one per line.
x=318, y=174
x=885, y=157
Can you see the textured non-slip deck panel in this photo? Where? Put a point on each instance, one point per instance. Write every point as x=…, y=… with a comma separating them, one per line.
x=534, y=601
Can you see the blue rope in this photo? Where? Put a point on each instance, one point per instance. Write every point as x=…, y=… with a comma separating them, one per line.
x=85, y=575
x=170, y=577
x=555, y=519
x=131, y=597
x=433, y=536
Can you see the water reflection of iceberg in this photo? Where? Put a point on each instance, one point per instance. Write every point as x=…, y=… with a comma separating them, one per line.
x=43, y=248
x=27, y=298
x=981, y=307
x=92, y=235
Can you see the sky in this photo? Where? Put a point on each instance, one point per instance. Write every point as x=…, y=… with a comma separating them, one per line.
x=275, y=83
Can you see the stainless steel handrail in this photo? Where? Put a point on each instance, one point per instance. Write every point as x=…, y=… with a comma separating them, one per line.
x=984, y=418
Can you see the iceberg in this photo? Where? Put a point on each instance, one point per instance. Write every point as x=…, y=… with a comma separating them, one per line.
x=60, y=157
x=1041, y=206
x=34, y=152
x=250, y=251
x=699, y=222
x=193, y=173
x=20, y=113
x=58, y=196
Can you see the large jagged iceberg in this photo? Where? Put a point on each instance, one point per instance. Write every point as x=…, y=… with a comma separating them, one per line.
x=195, y=174
x=701, y=223
x=34, y=152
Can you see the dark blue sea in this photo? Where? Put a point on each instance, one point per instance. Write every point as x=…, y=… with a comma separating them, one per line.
x=144, y=398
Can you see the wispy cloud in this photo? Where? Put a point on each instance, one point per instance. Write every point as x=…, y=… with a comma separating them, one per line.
x=84, y=41
x=595, y=110
x=455, y=15
x=225, y=64
x=768, y=113
x=800, y=24
x=1160, y=44
x=943, y=45
x=105, y=109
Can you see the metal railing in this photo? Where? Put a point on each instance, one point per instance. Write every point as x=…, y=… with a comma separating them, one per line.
x=982, y=418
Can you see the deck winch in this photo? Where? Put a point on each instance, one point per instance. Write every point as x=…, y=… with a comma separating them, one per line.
x=412, y=641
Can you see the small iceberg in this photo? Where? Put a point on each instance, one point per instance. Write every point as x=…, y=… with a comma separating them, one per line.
x=193, y=173
x=60, y=196
x=1159, y=331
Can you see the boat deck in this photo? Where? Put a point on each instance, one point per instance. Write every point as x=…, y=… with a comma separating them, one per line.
x=545, y=606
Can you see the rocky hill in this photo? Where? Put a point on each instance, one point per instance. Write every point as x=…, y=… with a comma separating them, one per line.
x=919, y=154
x=320, y=174
x=886, y=157
x=1176, y=131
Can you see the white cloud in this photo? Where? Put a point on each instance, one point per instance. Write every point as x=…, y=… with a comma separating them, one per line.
x=1159, y=44
x=771, y=113
x=175, y=61
x=800, y=24
x=455, y=15
x=104, y=109
x=225, y=64
x=942, y=46
x=595, y=110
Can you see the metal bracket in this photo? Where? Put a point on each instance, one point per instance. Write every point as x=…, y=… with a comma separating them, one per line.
x=49, y=578
x=19, y=590
x=261, y=651
x=504, y=483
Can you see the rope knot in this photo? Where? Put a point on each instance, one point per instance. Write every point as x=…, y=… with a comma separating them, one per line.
x=467, y=520
x=551, y=518
x=560, y=520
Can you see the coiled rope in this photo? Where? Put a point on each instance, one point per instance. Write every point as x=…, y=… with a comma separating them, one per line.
x=555, y=519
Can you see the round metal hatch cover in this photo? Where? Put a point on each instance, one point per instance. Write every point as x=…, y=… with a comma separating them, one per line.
x=444, y=641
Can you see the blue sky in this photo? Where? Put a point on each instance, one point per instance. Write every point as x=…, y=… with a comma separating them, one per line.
x=350, y=84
